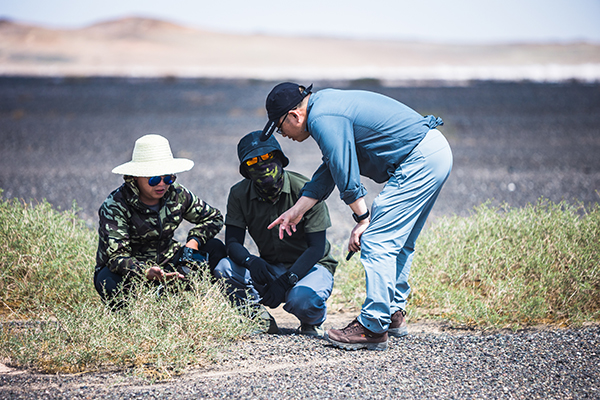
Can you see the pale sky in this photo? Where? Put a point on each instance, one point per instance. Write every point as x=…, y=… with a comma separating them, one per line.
x=466, y=21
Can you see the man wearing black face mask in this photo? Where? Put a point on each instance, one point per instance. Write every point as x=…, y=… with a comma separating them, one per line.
x=298, y=270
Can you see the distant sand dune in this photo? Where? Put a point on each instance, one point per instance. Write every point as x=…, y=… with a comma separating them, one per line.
x=148, y=48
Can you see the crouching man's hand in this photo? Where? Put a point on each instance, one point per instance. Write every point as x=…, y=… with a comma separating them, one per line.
x=276, y=291
x=157, y=273
x=259, y=270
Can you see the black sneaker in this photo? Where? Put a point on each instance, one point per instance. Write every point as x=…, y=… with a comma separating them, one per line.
x=355, y=336
x=266, y=321
x=312, y=330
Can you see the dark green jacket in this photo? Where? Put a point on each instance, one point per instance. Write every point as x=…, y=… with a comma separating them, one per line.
x=246, y=210
x=133, y=237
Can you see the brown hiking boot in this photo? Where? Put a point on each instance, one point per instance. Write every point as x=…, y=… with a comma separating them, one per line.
x=355, y=336
x=398, y=326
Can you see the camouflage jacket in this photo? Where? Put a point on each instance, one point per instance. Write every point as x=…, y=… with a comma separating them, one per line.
x=133, y=237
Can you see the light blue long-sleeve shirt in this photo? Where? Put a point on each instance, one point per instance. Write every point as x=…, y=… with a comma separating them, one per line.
x=360, y=133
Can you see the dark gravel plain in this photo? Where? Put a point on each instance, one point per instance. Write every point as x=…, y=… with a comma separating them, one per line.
x=512, y=142
x=554, y=364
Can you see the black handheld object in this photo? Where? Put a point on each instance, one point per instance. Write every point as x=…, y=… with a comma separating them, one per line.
x=349, y=256
x=190, y=261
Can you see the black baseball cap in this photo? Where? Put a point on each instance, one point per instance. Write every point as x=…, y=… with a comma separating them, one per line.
x=282, y=99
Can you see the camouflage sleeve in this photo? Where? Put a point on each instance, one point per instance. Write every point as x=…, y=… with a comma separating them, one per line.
x=208, y=220
x=115, y=246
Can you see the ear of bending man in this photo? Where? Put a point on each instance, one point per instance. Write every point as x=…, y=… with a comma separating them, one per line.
x=363, y=133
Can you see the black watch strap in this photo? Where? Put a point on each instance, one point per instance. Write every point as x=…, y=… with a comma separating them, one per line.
x=359, y=218
x=292, y=278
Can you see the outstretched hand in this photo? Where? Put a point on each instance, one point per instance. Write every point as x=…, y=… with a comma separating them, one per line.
x=157, y=274
x=288, y=220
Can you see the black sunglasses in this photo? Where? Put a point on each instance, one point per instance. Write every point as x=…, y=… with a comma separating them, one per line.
x=281, y=124
x=167, y=179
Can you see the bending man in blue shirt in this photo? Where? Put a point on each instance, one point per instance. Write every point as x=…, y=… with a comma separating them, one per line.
x=368, y=134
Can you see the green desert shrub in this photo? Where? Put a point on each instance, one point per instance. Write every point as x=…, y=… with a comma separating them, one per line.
x=502, y=267
x=53, y=319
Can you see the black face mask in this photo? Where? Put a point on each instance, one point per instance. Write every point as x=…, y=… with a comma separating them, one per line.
x=267, y=177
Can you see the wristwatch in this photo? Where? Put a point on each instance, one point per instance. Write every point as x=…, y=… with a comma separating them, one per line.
x=359, y=218
x=292, y=278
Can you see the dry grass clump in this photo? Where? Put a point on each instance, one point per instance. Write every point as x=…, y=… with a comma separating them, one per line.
x=502, y=267
x=54, y=320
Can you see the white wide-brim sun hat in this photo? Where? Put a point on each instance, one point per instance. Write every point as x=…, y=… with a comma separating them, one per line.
x=152, y=156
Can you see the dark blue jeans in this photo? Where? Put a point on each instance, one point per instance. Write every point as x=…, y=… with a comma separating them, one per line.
x=109, y=284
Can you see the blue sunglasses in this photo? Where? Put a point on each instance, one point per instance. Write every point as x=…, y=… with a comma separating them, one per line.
x=167, y=179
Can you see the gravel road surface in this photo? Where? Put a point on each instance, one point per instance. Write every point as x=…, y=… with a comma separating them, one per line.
x=535, y=364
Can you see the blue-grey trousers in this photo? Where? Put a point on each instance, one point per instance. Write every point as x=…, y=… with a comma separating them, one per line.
x=306, y=300
x=398, y=215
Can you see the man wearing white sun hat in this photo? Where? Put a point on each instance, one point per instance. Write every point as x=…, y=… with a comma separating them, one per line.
x=138, y=221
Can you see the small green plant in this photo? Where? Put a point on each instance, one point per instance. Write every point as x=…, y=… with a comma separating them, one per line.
x=156, y=337
x=46, y=257
x=349, y=288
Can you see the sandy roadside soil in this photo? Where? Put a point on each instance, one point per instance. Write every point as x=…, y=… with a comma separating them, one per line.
x=287, y=322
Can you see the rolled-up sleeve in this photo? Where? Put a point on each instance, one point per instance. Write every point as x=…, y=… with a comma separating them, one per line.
x=320, y=186
x=335, y=137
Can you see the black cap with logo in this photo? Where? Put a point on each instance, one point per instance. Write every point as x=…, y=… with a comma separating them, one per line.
x=284, y=97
